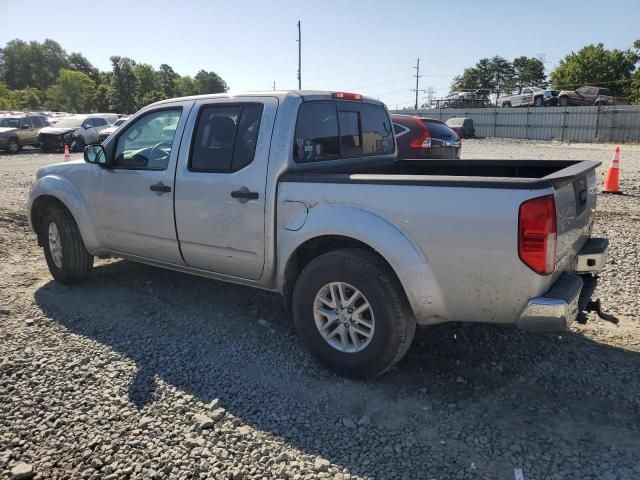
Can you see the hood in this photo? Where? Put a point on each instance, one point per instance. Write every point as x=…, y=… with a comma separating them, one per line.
x=63, y=169
x=108, y=130
x=7, y=130
x=57, y=130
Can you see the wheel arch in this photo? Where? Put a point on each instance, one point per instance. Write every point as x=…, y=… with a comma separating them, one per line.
x=355, y=228
x=54, y=190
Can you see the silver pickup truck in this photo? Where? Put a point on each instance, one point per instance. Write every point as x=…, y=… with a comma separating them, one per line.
x=300, y=193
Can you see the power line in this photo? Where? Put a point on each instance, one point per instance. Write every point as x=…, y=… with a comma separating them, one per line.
x=417, y=75
x=299, y=57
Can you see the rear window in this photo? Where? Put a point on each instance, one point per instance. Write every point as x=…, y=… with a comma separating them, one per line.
x=438, y=130
x=328, y=130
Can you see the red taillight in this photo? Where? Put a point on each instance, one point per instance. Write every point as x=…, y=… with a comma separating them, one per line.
x=424, y=140
x=537, y=234
x=347, y=96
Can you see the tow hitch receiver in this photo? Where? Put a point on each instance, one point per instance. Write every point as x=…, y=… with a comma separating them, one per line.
x=594, y=306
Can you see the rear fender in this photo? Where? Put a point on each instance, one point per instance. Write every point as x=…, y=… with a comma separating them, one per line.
x=405, y=258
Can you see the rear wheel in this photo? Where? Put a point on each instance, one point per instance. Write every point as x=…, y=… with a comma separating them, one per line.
x=506, y=105
x=14, y=145
x=563, y=101
x=67, y=258
x=352, y=314
x=538, y=102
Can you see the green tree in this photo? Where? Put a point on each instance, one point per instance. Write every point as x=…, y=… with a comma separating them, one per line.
x=79, y=63
x=528, y=72
x=6, y=100
x=167, y=78
x=149, y=90
x=72, y=92
x=495, y=74
x=186, y=86
x=33, y=64
x=634, y=94
x=27, y=99
x=101, y=97
x=124, y=85
x=210, y=82
x=596, y=65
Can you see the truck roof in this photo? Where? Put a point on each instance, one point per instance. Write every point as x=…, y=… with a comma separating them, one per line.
x=280, y=94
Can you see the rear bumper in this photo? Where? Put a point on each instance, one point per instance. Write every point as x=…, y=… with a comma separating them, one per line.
x=569, y=295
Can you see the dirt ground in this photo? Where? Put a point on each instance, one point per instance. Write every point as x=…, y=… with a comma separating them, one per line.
x=146, y=373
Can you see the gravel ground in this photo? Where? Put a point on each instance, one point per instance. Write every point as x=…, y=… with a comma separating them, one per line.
x=146, y=373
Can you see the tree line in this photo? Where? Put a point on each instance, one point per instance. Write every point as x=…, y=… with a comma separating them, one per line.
x=36, y=75
x=618, y=70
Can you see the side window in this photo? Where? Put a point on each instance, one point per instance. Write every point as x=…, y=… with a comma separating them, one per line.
x=316, y=136
x=226, y=137
x=583, y=91
x=377, y=134
x=146, y=143
x=350, y=139
x=526, y=90
x=26, y=121
x=37, y=122
x=99, y=122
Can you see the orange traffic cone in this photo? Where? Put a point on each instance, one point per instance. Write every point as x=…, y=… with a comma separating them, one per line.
x=67, y=155
x=611, y=181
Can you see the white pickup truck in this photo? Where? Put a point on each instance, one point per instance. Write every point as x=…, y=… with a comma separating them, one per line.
x=300, y=193
x=528, y=97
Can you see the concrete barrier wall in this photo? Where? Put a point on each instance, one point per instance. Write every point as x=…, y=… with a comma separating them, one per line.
x=617, y=124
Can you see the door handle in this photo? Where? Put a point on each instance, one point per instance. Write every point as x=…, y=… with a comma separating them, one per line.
x=160, y=187
x=244, y=194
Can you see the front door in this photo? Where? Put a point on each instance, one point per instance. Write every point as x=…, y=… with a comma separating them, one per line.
x=134, y=205
x=220, y=186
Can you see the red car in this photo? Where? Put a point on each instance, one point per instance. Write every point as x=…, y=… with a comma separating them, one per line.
x=420, y=137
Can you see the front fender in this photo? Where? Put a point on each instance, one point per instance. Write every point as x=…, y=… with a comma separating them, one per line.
x=64, y=191
x=405, y=258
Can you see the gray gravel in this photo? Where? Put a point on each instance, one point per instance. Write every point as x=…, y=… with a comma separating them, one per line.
x=146, y=373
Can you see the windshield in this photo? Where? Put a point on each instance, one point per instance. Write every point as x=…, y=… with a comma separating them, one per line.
x=70, y=122
x=10, y=122
x=537, y=89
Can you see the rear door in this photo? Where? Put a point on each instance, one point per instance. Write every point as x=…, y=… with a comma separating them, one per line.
x=221, y=185
x=27, y=133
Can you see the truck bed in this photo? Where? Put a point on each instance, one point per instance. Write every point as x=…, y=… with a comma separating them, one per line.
x=521, y=174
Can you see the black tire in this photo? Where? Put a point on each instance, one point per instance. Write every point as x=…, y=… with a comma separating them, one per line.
x=394, y=326
x=506, y=105
x=538, y=102
x=76, y=261
x=14, y=145
x=563, y=101
x=46, y=148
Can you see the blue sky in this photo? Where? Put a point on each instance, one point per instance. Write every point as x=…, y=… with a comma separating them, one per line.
x=365, y=46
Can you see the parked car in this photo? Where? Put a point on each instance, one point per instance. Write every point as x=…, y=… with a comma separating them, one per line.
x=528, y=97
x=462, y=126
x=591, y=96
x=76, y=131
x=104, y=134
x=419, y=137
x=301, y=193
x=16, y=131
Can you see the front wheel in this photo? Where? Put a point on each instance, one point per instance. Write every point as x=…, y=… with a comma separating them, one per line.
x=79, y=144
x=352, y=314
x=563, y=101
x=67, y=258
x=538, y=102
x=14, y=145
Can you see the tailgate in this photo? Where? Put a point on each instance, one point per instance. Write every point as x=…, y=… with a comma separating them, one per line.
x=575, y=196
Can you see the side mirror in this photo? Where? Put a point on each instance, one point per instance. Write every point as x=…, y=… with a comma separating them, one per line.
x=88, y=125
x=26, y=127
x=95, y=154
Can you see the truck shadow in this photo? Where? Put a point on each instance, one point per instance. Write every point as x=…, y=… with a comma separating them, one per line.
x=203, y=337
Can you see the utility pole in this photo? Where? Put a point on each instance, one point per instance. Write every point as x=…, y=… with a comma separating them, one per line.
x=417, y=89
x=299, y=57
x=274, y=84
x=430, y=93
